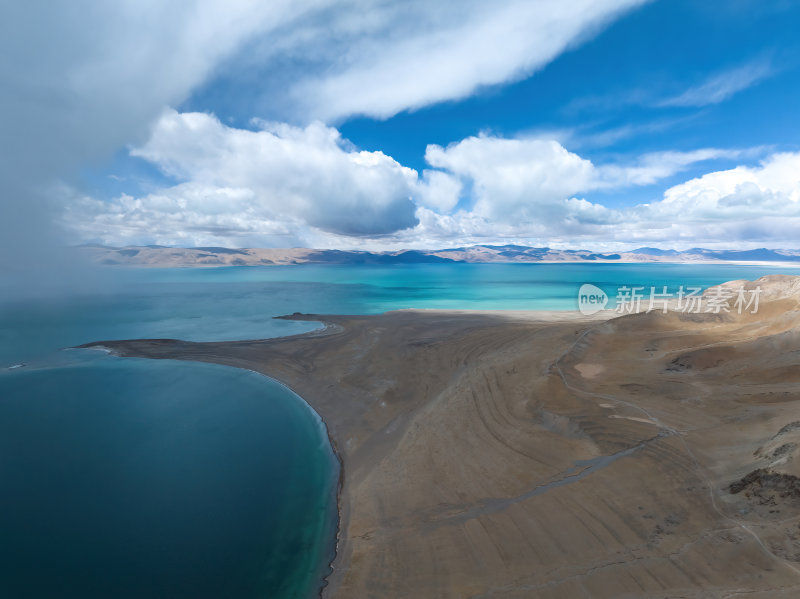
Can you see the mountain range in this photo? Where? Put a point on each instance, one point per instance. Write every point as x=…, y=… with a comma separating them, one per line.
x=153, y=255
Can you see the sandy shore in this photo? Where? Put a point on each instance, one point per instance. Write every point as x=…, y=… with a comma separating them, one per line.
x=538, y=455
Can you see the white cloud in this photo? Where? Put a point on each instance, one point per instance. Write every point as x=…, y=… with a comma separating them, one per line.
x=239, y=183
x=771, y=189
x=186, y=214
x=528, y=180
x=651, y=168
x=513, y=178
x=731, y=208
x=80, y=83
x=714, y=90
x=393, y=57
x=284, y=185
x=439, y=191
x=81, y=79
x=722, y=86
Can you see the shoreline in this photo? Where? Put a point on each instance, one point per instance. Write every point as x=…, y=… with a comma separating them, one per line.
x=334, y=452
x=339, y=478
x=327, y=328
x=459, y=435
x=331, y=328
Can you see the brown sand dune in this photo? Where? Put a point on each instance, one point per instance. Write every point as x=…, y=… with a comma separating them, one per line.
x=493, y=455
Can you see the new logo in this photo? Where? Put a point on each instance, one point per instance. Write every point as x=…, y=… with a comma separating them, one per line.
x=591, y=299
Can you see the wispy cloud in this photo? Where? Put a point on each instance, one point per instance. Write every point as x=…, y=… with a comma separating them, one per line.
x=715, y=89
x=722, y=86
x=430, y=55
x=595, y=135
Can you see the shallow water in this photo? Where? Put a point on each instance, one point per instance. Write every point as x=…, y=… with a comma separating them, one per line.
x=133, y=478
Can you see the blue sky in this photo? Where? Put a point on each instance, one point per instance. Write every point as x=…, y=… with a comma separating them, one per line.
x=607, y=83
x=603, y=124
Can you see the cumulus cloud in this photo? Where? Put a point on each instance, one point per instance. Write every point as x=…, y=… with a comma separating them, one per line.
x=439, y=191
x=512, y=178
x=480, y=190
x=307, y=182
x=743, y=195
x=746, y=204
x=238, y=183
x=534, y=180
x=750, y=204
x=284, y=185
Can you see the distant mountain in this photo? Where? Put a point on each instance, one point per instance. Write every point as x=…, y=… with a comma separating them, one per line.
x=220, y=256
x=654, y=252
x=757, y=255
x=345, y=257
x=216, y=250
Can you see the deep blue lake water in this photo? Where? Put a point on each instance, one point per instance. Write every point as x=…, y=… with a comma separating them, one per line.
x=135, y=478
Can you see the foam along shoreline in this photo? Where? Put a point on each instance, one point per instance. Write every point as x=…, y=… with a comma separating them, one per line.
x=460, y=436
x=323, y=582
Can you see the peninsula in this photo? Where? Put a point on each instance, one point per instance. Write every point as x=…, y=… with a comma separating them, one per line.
x=511, y=455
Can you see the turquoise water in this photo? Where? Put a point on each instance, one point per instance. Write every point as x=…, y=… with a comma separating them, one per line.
x=133, y=478
x=240, y=302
